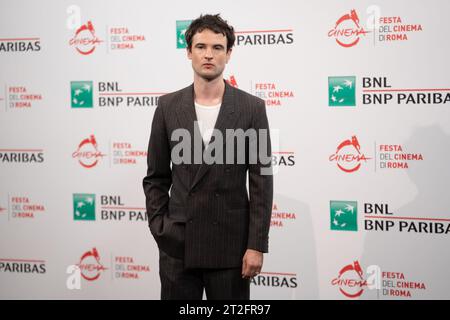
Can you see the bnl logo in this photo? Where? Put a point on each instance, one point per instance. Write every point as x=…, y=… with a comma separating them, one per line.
x=182, y=26
x=344, y=215
x=342, y=91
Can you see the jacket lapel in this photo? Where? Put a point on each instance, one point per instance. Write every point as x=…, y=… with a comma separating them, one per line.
x=186, y=113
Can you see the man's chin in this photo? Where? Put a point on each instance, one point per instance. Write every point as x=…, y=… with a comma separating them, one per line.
x=209, y=77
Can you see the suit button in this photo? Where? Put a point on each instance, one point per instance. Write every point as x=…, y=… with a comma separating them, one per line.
x=217, y=194
x=215, y=222
x=190, y=220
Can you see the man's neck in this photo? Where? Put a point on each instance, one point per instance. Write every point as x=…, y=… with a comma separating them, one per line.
x=208, y=93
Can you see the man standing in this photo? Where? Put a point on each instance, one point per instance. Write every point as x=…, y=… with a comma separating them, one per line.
x=210, y=232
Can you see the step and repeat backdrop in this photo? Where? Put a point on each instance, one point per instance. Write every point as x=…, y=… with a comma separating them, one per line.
x=358, y=100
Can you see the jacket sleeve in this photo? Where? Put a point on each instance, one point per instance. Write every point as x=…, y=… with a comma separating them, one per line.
x=158, y=180
x=260, y=183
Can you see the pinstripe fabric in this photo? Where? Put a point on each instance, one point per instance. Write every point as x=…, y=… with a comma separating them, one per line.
x=207, y=218
x=178, y=283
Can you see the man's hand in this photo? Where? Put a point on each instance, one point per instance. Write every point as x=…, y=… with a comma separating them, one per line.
x=251, y=263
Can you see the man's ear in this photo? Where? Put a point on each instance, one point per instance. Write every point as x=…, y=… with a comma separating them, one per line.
x=189, y=53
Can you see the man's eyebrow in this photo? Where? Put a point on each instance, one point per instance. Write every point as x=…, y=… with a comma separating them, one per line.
x=214, y=45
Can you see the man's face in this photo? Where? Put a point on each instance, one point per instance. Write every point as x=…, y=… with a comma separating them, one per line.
x=209, y=54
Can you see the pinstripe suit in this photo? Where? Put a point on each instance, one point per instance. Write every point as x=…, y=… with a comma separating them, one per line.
x=208, y=220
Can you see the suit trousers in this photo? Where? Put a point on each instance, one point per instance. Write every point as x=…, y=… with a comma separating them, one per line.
x=178, y=283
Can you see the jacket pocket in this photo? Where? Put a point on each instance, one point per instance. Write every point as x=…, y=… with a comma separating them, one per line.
x=169, y=231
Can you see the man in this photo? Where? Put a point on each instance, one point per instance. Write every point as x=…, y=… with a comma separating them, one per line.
x=210, y=235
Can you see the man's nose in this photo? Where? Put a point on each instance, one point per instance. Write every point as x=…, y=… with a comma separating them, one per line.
x=208, y=53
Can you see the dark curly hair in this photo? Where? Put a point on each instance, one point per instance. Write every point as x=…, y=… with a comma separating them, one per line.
x=211, y=22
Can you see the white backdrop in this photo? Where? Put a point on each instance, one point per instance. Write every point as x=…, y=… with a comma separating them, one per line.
x=76, y=105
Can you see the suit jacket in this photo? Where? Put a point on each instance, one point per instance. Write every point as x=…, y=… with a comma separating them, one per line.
x=208, y=219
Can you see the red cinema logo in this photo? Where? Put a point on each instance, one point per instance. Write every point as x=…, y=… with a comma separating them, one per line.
x=232, y=81
x=348, y=156
x=85, y=40
x=350, y=280
x=90, y=265
x=347, y=30
x=87, y=153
